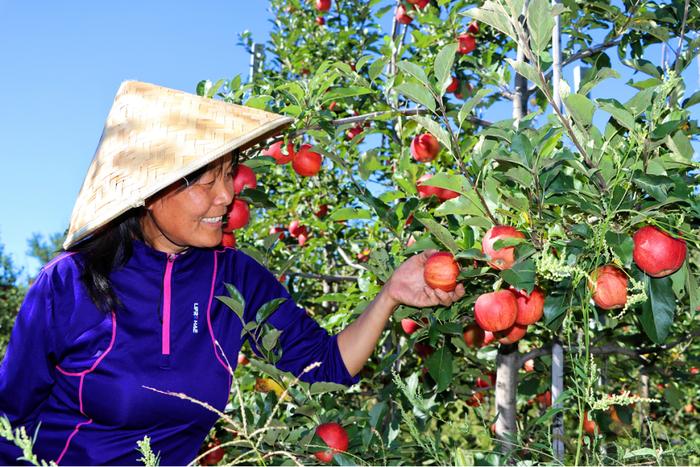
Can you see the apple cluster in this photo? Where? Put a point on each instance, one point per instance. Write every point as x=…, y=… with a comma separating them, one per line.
x=305, y=162
x=238, y=213
x=655, y=252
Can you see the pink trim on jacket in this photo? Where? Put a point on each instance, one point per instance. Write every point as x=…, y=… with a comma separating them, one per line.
x=211, y=330
x=167, y=280
x=82, y=375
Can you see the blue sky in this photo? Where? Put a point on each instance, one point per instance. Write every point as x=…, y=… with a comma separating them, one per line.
x=62, y=64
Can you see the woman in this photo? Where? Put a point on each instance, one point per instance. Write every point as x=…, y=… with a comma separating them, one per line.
x=130, y=305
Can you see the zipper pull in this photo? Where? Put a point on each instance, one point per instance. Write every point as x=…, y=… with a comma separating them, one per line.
x=171, y=257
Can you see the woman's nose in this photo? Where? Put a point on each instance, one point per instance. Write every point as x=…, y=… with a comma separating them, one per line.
x=224, y=191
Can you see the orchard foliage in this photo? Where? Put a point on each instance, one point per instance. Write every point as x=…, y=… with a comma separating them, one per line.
x=578, y=180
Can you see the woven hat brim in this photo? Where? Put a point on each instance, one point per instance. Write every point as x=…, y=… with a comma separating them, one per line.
x=112, y=187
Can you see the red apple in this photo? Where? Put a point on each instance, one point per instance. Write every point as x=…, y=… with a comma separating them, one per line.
x=608, y=285
x=657, y=253
x=453, y=86
x=353, y=132
x=475, y=399
x=409, y=326
x=466, y=43
x=402, y=16
x=473, y=27
x=511, y=335
x=529, y=365
x=425, y=191
x=335, y=437
x=694, y=370
x=482, y=383
x=303, y=236
x=446, y=194
x=441, y=271
x=530, y=307
x=242, y=359
x=323, y=5
x=295, y=228
x=215, y=456
x=496, y=311
x=423, y=350
x=545, y=399
x=307, y=163
x=503, y=258
x=419, y=3
x=322, y=211
x=275, y=151
x=238, y=215
x=228, y=240
x=244, y=178
x=474, y=336
x=589, y=426
x=425, y=147
x=320, y=20
x=276, y=229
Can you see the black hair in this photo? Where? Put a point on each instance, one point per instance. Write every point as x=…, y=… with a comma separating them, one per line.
x=111, y=248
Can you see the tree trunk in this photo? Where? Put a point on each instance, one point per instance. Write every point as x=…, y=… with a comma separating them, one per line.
x=506, y=389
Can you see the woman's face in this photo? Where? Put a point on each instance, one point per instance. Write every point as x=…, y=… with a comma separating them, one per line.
x=192, y=216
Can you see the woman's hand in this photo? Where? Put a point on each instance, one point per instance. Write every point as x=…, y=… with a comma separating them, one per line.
x=407, y=286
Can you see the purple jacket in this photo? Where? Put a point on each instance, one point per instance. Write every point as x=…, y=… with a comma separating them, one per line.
x=82, y=373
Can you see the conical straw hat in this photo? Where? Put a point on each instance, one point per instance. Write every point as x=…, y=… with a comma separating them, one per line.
x=153, y=137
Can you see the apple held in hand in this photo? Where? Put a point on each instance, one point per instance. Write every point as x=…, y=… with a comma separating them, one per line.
x=238, y=215
x=335, y=437
x=503, y=258
x=441, y=271
x=657, y=253
x=530, y=307
x=244, y=178
x=496, y=311
x=608, y=285
x=425, y=147
x=275, y=151
x=307, y=163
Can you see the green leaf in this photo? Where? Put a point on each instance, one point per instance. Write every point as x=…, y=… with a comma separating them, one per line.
x=493, y=14
x=350, y=213
x=521, y=275
x=526, y=70
x=257, y=198
x=269, y=340
x=376, y=68
x=441, y=233
x=645, y=66
x=434, y=128
x=554, y=309
x=258, y=102
x=417, y=93
x=619, y=113
x=268, y=308
x=470, y=104
x=540, y=23
x=440, y=367
x=600, y=75
x=233, y=304
x=622, y=244
x=643, y=452
x=692, y=100
x=655, y=185
x=323, y=387
x=657, y=312
x=581, y=109
x=415, y=71
x=680, y=145
x=443, y=66
x=350, y=91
